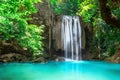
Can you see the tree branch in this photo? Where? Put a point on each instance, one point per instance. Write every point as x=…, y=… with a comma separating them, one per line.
x=107, y=15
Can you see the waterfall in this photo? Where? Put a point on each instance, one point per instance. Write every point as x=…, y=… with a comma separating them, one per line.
x=71, y=37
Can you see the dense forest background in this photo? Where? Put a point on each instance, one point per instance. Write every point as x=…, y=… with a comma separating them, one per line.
x=18, y=35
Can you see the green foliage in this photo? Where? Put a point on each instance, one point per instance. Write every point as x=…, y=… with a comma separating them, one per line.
x=106, y=38
x=13, y=23
x=33, y=38
x=65, y=7
x=116, y=12
x=88, y=9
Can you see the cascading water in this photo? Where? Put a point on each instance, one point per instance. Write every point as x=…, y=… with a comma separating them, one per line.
x=71, y=37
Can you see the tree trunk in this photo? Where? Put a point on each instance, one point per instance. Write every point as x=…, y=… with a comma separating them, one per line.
x=107, y=15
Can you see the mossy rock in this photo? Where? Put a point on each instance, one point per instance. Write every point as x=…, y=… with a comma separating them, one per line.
x=13, y=57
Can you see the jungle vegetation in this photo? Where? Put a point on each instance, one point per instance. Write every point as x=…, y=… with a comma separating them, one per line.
x=102, y=15
x=14, y=16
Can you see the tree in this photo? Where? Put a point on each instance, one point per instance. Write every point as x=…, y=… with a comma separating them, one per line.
x=14, y=15
x=107, y=14
x=106, y=37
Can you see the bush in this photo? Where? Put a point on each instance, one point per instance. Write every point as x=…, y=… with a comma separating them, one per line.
x=14, y=15
x=65, y=7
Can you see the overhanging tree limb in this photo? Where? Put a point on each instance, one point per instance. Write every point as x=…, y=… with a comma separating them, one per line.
x=107, y=15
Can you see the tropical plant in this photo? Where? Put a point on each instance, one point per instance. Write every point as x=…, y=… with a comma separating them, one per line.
x=106, y=37
x=65, y=7
x=14, y=15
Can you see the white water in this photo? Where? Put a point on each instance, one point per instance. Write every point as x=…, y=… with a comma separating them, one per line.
x=71, y=37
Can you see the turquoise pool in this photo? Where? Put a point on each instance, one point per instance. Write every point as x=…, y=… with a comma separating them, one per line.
x=81, y=70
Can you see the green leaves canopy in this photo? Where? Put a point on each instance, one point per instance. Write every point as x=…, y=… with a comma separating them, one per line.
x=14, y=15
x=65, y=7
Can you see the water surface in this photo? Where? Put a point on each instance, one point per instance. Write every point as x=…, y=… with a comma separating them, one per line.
x=81, y=70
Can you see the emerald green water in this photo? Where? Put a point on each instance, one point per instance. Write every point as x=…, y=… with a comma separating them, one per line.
x=82, y=70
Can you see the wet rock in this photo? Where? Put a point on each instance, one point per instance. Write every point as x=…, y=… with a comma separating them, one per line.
x=40, y=59
x=13, y=57
x=56, y=58
x=60, y=59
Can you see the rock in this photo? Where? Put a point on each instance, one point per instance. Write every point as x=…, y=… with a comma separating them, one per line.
x=10, y=46
x=40, y=59
x=56, y=58
x=90, y=56
x=46, y=56
x=115, y=58
x=60, y=59
x=13, y=57
x=11, y=51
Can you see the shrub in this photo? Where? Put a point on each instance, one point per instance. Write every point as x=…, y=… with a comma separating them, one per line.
x=14, y=15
